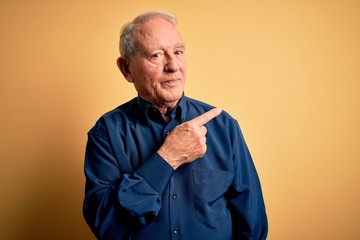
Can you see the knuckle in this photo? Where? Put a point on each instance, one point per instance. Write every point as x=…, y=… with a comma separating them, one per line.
x=204, y=129
x=204, y=148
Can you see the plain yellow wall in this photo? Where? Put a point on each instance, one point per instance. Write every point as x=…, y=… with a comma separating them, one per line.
x=289, y=71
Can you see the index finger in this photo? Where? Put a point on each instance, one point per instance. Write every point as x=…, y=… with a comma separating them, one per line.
x=206, y=117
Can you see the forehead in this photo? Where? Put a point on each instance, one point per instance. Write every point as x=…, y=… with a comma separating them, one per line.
x=157, y=32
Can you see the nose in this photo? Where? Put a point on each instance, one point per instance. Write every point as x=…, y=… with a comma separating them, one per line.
x=171, y=64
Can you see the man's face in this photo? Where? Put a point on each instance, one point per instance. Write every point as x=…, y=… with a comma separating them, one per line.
x=158, y=69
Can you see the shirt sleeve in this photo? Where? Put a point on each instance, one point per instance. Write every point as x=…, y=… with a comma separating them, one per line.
x=115, y=203
x=245, y=196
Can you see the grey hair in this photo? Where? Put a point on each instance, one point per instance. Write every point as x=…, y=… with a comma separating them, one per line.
x=128, y=42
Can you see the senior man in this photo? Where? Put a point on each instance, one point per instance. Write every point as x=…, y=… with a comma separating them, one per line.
x=165, y=166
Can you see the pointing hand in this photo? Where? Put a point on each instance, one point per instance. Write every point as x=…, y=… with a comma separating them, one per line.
x=187, y=142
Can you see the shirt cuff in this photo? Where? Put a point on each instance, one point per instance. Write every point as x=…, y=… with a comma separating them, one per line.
x=157, y=172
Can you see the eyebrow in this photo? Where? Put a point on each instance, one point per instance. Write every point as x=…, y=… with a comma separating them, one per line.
x=180, y=44
x=148, y=52
x=176, y=45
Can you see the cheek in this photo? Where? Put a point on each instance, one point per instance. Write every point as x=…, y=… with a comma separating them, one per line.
x=146, y=74
x=154, y=75
x=146, y=80
x=183, y=66
x=150, y=71
x=183, y=72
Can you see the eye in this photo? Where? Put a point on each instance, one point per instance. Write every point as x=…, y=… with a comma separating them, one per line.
x=156, y=55
x=179, y=52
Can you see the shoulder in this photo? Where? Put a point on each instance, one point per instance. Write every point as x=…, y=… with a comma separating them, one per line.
x=223, y=127
x=196, y=108
x=114, y=118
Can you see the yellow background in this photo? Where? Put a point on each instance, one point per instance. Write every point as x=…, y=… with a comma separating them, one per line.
x=289, y=71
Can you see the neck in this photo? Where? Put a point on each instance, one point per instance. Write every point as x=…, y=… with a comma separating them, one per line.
x=165, y=108
x=165, y=112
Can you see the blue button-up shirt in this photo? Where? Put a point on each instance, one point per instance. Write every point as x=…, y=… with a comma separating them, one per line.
x=132, y=193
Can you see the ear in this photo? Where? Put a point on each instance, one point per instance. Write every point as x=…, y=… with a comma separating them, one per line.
x=124, y=66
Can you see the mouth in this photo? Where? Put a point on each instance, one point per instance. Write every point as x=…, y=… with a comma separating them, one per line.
x=170, y=82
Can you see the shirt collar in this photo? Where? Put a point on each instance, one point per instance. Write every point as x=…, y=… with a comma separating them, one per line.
x=145, y=109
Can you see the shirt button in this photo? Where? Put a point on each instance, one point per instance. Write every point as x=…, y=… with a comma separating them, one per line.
x=174, y=196
x=176, y=230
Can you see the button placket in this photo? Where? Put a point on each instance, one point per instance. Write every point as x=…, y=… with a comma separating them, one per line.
x=166, y=133
x=176, y=230
x=173, y=199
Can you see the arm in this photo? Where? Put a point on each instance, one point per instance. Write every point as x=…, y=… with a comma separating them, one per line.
x=116, y=203
x=245, y=196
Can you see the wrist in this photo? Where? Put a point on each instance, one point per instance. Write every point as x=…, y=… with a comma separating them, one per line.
x=164, y=154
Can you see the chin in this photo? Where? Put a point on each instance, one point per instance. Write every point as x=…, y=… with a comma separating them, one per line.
x=170, y=98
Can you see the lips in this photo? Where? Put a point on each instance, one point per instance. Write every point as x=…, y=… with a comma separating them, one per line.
x=171, y=82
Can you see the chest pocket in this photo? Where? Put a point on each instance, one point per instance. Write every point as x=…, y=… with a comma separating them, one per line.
x=210, y=187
